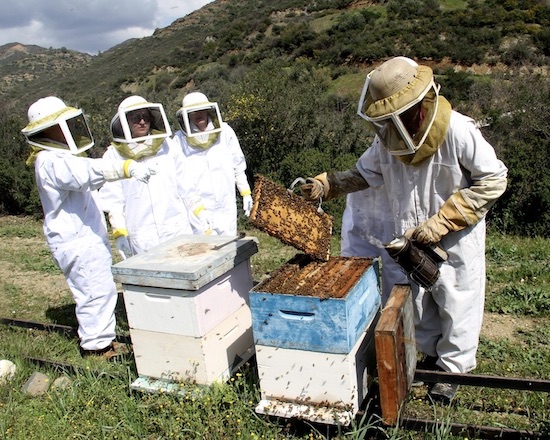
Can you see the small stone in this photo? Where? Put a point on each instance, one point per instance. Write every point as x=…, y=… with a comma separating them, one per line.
x=37, y=385
x=7, y=371
x=61, y=383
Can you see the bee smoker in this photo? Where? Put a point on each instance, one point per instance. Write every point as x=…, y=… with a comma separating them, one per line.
x=419, y=262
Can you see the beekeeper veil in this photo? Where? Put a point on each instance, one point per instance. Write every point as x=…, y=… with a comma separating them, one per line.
x=55, y=126
x=400, y=102
x=133, y=110
x=196, y=104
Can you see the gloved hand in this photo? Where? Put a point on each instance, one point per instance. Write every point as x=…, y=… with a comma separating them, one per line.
x=448, y=219
x=141, y=171
x=206, y=220
x=429, y=232
x=123, y=247
x=315, y=187
x=247, y=205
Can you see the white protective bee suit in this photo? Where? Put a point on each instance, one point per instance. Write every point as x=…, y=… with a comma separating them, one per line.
x=216, y=166
x=441, y=181
x=448, y=318
x=367, y=224
x=74, y=226
x=146, y=214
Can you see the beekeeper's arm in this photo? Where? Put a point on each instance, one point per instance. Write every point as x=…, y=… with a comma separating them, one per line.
x=112, y=197
x=334, y=184
x=468, y=205
x=239, y=167
x=244, y=190
x=120, y=169
x=197, y=208
x=464, y=208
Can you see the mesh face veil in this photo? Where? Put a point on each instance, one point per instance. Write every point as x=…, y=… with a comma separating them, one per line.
x=196, y=102
x=133, y=111
x=55, y=126
x=395, y=93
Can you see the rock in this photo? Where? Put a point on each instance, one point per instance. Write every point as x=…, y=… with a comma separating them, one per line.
x=37, y=384
x=7, y=371
x=61, y=383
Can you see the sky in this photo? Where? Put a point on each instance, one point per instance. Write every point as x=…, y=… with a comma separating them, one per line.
x=90, y=26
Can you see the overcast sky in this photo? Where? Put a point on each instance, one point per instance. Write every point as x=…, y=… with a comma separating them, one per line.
x=90, y=26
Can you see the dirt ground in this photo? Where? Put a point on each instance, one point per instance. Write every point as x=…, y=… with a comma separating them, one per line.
x=30, y=294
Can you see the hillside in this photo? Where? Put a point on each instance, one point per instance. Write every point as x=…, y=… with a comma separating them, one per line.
x=234, y=34
x=287, y=75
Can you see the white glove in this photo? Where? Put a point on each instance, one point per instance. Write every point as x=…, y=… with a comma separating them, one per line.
x=123, y=247
x=247, y=205
x=141, y=171
x=206, y=220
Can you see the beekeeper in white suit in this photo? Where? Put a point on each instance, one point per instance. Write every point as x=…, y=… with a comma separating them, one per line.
x=367, y=224
x=217, y=165
x=441, y=177
x=74, y=226
x=142, y=216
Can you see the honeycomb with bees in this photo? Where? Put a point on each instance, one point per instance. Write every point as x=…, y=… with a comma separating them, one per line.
x=290, y=218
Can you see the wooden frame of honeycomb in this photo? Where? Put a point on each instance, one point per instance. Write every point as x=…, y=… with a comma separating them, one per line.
x=290, y=218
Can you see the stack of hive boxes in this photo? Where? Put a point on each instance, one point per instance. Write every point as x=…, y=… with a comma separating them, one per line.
x=313, y=324
x=187, y=303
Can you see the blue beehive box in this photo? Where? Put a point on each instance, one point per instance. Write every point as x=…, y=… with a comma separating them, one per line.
x=316, y=306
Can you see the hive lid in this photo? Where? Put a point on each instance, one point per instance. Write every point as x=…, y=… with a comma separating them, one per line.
x=291, y=218
x=187, y=262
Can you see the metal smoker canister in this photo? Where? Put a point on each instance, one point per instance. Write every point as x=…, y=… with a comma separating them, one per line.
x=419, y=264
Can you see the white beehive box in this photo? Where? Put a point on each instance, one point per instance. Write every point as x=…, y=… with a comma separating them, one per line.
x=187, y=306
x=186, y=286
x=188, y=312
x=320, y=387
x=205, y=360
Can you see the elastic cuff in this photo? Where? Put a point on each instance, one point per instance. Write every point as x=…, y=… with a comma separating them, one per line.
x=246, y=192
x=119, y=232
x=125, y=167
x=198, y=210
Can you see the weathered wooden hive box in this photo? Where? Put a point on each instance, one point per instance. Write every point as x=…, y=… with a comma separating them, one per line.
x=313, y=327
x=316, y=305
x=187, y=302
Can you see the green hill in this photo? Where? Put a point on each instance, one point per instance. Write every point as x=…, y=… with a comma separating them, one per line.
x=287, y=75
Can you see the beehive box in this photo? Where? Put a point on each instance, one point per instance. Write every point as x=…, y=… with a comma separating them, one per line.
x=315, y=305
x=321, y=387
x=396, y=352
x=186, y=286
x=188, y=312
x=290, y=218
x=205, y=360
x=180, y=296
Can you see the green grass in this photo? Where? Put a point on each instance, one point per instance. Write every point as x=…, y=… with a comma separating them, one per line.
x=101, y=405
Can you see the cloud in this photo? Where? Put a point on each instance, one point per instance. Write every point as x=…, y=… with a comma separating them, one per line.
x=92, y=26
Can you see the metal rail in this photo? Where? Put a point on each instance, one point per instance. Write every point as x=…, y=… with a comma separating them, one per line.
x=481, y=380
x=470, y=431
x=65, y=330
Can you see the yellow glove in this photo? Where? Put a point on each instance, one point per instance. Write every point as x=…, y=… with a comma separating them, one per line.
x=315, y=187
x=448, y=219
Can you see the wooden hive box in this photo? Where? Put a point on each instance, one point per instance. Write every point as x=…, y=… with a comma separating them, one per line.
x=186, y=286
x=316, y=305
x=395, y=352
x=321, y=387
x=187, y=306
